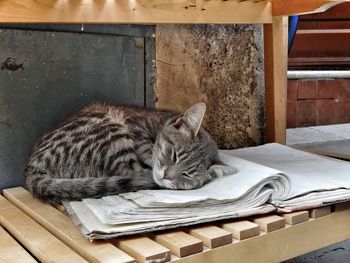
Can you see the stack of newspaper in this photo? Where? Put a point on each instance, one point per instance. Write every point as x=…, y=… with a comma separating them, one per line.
x=269, y=177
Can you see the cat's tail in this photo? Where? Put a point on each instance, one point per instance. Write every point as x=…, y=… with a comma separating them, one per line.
x=55, y=190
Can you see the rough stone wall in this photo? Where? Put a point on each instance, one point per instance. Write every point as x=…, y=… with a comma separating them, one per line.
x=219, y=65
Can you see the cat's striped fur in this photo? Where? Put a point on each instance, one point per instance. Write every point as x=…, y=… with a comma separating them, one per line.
x=104, y=150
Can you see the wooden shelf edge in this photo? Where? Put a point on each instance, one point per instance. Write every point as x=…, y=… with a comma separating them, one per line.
x=298, y=7
x=135, y=12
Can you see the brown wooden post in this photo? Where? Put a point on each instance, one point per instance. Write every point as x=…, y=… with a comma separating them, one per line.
x=275, y=49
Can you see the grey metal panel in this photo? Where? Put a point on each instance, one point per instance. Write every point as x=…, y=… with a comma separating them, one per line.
x=150, y=54
x=123, y=30
x=62, y=72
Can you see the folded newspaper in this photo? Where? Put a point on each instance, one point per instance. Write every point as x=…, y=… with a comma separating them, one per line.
x=268, y=178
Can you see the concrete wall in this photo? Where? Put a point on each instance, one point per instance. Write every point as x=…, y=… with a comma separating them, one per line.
x=220, y=65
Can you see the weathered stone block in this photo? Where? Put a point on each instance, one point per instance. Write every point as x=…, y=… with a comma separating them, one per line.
x=220, y=65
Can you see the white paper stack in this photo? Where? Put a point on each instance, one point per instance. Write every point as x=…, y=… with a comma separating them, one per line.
x=269, y=177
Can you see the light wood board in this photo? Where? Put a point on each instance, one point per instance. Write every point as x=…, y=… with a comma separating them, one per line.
x=62, y=227
x=42, y=244
x=135, y=11
x=11, y=251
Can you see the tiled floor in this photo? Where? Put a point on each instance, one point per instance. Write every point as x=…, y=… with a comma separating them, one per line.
x=337, y=253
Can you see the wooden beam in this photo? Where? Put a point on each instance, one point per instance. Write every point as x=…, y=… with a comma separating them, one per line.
x=275, y=52
x=135, y=11
x=297, y=7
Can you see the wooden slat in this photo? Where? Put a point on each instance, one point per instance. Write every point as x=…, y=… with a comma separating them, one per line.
x=11, y=251
x=275, y=48
x=281, y=245
x=212, y=236
x=296, y=217
x=134, y=12
x=270, y=223
x=319, y=212
x=63, y=228
x=143, y=249
x=242, y=229
x=179, y=243
x=42, y=244
x=294, y=7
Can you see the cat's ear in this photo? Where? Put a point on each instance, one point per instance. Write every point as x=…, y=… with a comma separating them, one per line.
x=194, y=117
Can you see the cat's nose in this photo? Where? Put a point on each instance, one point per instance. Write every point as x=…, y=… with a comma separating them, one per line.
x=170, y=173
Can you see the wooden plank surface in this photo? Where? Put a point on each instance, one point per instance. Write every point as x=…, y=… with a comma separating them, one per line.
x=143, y=249
x=296, y=217
x=270, y=223
x=11, y=251
x=275, y=50
x=179, y=243
x=212, y=236
x=283, y=244
x=62, y=227
x=242, y=229
x=134, y=12
x=42, y=244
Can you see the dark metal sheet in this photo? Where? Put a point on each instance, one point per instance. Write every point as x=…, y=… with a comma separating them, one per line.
x=47, y=76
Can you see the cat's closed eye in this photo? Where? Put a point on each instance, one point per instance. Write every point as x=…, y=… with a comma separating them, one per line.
x=186, y=175
x=174, y=156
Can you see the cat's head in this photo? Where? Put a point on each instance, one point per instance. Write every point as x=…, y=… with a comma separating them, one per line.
x=183, y=152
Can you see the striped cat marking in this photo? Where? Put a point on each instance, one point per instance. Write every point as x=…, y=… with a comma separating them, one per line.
x=105, y=150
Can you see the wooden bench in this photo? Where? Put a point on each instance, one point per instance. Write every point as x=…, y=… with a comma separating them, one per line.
x=32, y=231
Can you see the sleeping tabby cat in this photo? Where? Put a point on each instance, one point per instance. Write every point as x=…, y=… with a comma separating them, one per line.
x=105, y=150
